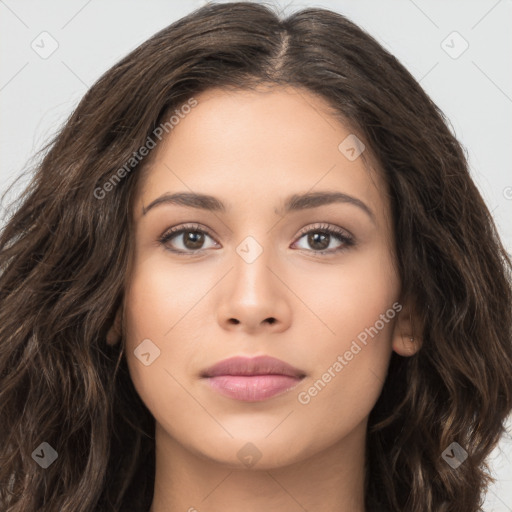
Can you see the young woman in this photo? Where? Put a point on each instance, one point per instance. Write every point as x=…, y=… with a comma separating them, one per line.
x=252, y=272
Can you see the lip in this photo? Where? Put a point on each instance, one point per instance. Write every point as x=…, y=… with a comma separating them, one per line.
x=252, y=379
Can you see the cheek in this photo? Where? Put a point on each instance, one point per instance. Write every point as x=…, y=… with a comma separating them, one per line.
x=357, y=306
x=162, y=328
x=349, y=297
x=162, y=301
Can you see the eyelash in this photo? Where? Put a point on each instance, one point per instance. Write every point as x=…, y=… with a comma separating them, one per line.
x=342, y=235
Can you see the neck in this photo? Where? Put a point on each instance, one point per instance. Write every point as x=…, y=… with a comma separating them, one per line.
x=330, y=480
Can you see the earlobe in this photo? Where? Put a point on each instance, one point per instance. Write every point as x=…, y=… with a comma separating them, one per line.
x=115, y=332
x=407, y=339
x=406, y=345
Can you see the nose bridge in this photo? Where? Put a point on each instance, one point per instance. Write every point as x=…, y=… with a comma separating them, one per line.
x=252, y=262
x=252, y=295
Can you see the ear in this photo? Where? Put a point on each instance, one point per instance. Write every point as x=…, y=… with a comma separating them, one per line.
x=407, y=332
x=115, y=332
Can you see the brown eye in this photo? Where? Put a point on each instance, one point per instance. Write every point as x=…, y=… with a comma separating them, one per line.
x=185, y=239
x=193, y=240
x=319, y=238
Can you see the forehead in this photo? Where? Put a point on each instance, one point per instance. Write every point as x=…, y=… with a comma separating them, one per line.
x=253, y=146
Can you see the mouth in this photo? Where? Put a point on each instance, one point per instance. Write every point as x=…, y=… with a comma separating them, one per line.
x=252, y=379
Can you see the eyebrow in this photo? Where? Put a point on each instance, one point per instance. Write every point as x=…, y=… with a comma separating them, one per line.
x=294, y=203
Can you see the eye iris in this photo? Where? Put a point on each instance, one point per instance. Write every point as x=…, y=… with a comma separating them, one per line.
x=196, y=238
x=314, y=237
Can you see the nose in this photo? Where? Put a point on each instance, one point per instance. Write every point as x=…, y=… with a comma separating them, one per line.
x=253, y=296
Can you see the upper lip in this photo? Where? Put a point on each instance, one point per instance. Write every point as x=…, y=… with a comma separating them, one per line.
x=260, y=365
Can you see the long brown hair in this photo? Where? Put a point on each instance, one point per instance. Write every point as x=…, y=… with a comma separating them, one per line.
x=64, y=257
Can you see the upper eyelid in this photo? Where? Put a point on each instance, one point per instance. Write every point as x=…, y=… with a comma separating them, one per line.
x=325, y=226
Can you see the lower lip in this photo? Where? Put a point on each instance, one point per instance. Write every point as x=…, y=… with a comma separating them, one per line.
x=252, y=388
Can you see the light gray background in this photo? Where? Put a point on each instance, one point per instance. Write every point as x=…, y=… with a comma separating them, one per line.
x=473, y=89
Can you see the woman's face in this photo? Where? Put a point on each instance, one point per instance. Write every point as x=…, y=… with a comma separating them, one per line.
x=248, y=279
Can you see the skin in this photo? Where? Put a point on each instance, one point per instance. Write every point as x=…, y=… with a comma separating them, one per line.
x=251, y=150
